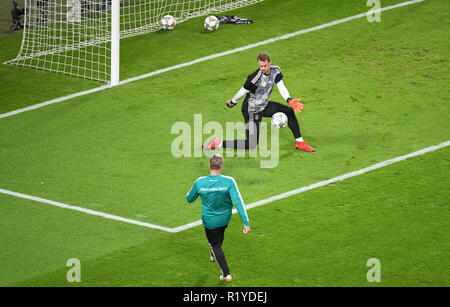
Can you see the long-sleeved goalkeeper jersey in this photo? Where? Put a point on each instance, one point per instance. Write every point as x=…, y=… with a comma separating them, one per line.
x=218, y=194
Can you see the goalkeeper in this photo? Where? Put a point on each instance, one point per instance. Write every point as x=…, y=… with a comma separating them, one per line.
x=256, y=105
x=218, y=193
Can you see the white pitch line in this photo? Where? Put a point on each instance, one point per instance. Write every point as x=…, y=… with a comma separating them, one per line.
x=252, y=205
x=206, y=58
x=56, y=100
x=265, y=42
x=326, y=182
x=84, y=210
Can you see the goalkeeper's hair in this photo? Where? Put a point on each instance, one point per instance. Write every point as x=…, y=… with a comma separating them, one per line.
x=216, y=162
x=263, y=57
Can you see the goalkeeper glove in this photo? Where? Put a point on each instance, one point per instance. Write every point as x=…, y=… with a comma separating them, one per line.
x=230, y=103
x=296, y=105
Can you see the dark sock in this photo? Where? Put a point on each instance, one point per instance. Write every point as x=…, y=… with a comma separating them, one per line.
x=220, y=258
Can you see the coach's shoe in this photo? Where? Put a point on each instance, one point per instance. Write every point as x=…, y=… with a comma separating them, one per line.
x=213, y=144
x=304, y=146
x=228, y=278
x=212, y=259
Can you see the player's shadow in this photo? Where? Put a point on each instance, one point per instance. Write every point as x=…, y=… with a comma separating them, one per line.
x=162, y=32
x=206, y=32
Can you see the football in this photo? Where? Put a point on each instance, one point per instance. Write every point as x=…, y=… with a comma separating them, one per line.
x=279, y=120
x=211, y=23
x=168, y=22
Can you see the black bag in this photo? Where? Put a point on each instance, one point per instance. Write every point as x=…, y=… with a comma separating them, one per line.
x=233, y=19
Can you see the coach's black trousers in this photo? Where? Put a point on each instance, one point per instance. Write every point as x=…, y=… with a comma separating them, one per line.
x=253, y=121
x=215, y=240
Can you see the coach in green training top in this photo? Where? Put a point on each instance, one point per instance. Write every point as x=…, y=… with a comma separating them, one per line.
x=218, y=193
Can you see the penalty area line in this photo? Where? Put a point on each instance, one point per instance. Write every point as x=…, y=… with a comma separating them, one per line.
x=327, y=182
x=249, y=206
x=56, y=100
x=206, y=58
x=84, y=210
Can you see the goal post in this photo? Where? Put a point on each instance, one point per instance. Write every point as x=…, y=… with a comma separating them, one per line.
x=81, y=38
x=115, y=42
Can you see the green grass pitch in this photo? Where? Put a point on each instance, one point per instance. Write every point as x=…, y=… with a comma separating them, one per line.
x=372, y=92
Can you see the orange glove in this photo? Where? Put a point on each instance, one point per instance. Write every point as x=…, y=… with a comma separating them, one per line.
x=230, y=103
x=296, y=105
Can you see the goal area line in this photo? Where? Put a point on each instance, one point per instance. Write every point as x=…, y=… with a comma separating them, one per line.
x=206, y=58
x=249, y=206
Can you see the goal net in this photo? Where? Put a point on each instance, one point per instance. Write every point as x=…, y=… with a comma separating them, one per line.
x=73, y=37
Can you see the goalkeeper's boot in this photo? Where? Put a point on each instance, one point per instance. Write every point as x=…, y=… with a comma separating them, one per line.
x=212, y=259
x=213, y=143
x=227, y=278
x=304, y=146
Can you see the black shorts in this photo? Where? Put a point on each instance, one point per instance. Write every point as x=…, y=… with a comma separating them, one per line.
x=253, y=121
x=215, y=236
x=271, y=108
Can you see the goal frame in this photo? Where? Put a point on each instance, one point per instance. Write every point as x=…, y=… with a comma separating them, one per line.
x=77, y=52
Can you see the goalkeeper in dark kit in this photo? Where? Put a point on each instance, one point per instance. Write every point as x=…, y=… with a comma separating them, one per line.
x=256, y=105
